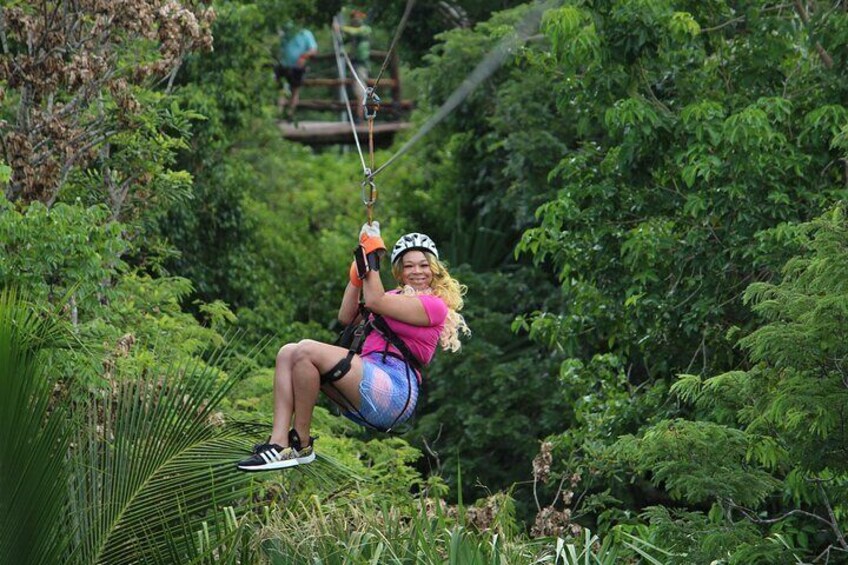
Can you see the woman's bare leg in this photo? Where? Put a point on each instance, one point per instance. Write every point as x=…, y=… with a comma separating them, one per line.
x=283, y=395
x=310, y=360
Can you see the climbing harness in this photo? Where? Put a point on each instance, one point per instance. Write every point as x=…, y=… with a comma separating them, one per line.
x=353, y=337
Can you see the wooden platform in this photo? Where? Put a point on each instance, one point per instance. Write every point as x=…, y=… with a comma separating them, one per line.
x=392, y=107
x=330, y=133
x=386, y=82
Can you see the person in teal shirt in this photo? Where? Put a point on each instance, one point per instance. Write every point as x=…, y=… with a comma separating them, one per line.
x=297, y=46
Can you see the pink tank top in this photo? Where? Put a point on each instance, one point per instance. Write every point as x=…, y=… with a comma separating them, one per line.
x=421, y=340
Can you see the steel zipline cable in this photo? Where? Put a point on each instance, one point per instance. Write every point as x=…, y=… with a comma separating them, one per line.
x=340, y=66
x=338, y=38
x=398, y=31
x=484, y=69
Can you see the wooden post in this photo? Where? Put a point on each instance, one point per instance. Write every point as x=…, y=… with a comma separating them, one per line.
x=394, y=66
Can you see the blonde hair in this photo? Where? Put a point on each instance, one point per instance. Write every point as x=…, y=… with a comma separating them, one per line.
x=448, y=289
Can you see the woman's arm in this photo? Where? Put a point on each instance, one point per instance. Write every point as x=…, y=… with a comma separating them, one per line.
x=408, y=309
x=350, y=305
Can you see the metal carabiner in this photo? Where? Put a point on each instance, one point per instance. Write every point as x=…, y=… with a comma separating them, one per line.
x=371, y=187
x=371, y=191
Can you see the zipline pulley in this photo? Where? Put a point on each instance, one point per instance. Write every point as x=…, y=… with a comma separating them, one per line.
x=371, y=102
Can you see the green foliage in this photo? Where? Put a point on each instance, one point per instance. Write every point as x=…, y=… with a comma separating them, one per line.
x=138, y=463
x=769, y=435
x=677, y=185
x=591, y=550
x=132, y=476
x=213, y=237
x=426, y=20
x=796, y=390
x=693, y=537
x=488, y=406
x=689, y=139
x=133, y=174
x=54, y=252
x=310, y=213
x=416, y=531
x=70, y=257
x=682, y=455
x=484, y=172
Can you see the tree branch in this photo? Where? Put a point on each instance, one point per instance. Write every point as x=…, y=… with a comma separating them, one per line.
x=68, y=165
x=724, y=24
x=845, y=170
x=123, y=191
x=826, y=553
x=834, y=524
x=173, y=74
x=748, y=513
x=4, y=42
x=825, y=57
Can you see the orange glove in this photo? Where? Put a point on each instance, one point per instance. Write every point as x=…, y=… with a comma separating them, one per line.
x=370, y=239
x=354, y=276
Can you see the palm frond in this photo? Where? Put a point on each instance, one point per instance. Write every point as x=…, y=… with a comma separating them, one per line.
x=151, y=465
x=34, y=441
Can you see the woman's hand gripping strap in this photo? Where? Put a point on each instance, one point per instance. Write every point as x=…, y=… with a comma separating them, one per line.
x=370, y=250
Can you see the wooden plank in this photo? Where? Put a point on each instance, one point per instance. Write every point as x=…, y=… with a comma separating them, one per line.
x=376, y=55
x=336, y=105
x=330, y=133
x=387, y=82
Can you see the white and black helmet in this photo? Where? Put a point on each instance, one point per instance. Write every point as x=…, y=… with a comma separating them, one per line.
x=413, y=241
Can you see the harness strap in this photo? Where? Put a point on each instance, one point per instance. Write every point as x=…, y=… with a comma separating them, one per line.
x=391, y=337
x=342, y=368
x=339, y=370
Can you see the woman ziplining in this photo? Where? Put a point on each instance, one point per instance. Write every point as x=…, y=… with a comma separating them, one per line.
x=377, y=387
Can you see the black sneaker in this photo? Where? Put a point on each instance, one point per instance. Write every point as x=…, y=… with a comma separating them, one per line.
x=259, y=446
x=271, y=456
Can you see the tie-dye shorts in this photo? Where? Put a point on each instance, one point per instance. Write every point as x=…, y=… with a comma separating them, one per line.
x=388, y=394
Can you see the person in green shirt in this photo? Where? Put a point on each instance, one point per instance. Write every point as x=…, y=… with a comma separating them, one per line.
x=358, y=36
